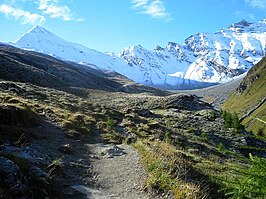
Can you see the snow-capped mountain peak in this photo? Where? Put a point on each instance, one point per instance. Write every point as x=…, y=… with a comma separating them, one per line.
x=37, y=33
x=203, y=58
x=41, y=40
x=241, y=24
x=40, y=31
x=207, y=57
x=245, y=26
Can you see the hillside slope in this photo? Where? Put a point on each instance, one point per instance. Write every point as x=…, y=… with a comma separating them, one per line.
x=249, y=99
x=46, y=71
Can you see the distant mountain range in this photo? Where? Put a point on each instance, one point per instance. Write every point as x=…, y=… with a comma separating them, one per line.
x=203, y=59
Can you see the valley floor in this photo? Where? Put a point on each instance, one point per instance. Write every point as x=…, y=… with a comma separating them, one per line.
x=181, y=144
x=215, y=95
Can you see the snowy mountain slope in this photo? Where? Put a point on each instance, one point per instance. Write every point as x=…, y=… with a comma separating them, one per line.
x=41, y=40
x=203, y=58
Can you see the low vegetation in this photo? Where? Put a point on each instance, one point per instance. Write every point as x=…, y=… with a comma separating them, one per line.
x=231, y=120
x=169, y=170
x=248, y=101
x=187, y=152
x=247, y=181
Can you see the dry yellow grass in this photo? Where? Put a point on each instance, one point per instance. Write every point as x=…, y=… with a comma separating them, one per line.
x=168, y=170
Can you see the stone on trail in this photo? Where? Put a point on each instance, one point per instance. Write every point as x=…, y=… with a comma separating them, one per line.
x=90, y=193
x=113, y=151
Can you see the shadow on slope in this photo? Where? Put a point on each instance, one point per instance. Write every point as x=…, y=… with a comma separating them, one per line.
x=46, y=71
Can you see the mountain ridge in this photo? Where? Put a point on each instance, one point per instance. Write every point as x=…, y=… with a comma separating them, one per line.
x=203, y=59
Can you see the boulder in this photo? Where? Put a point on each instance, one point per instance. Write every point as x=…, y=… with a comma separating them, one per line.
x=17, y=153
x=13, y=183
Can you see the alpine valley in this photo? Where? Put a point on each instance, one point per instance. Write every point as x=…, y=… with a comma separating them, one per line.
x=76, y=123
x=203, y=59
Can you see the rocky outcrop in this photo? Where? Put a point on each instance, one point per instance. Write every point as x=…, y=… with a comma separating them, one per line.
x=183, y=102
x=26, y=168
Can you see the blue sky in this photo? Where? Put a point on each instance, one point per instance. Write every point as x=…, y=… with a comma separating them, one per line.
x=110, y=25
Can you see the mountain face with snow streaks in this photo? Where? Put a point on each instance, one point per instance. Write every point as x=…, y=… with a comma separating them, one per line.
x=203, y=58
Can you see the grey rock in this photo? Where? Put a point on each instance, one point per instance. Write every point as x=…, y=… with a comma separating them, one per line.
x=113, y=151
x=12, y=181
x=91, y=193
x=16, y=152
x=38, y=175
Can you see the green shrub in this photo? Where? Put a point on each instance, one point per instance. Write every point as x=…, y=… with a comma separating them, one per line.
x=113, y=137
x=251, y=182
x=191, y=130
x=235, y=122
x=212, y=116
x=227, y=119
x=222, y=112
x=220, y=147
x=110, y=123
x=203, y=135
x=167, y=137
x=231, y=120
x=260, y=132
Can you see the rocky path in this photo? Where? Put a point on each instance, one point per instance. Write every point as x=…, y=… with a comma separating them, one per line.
x=93, y=170
x=118, y=171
